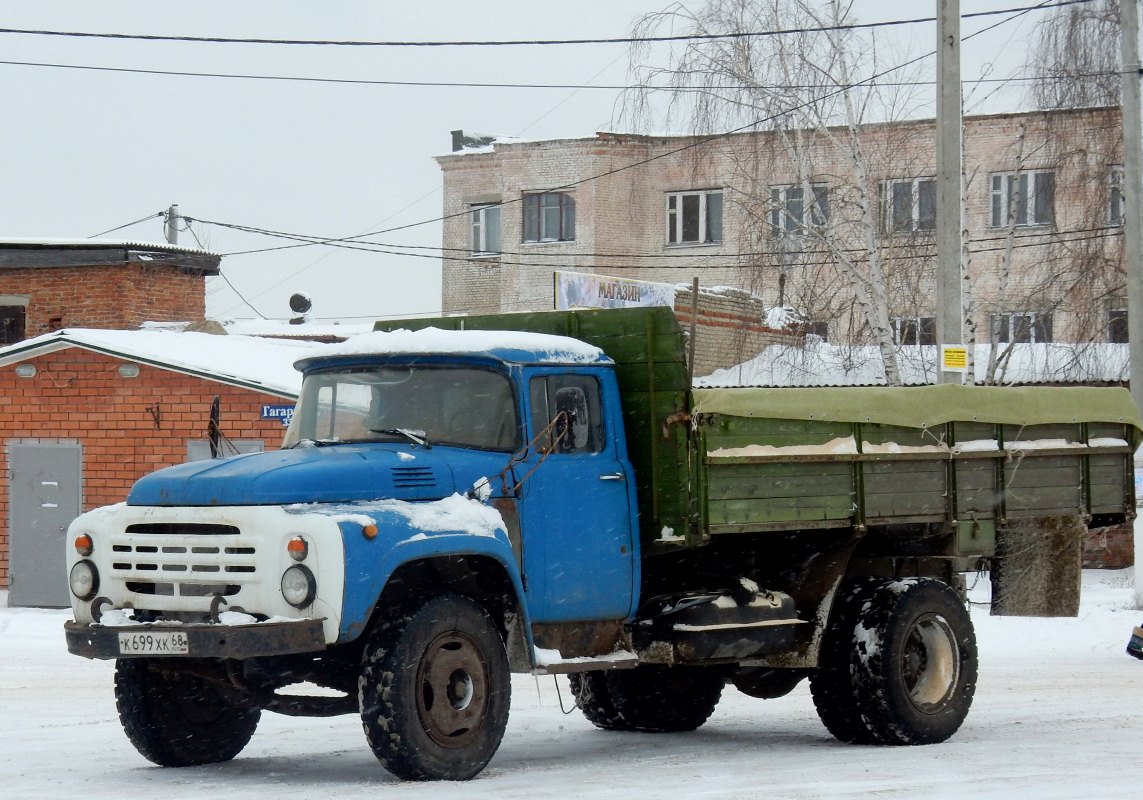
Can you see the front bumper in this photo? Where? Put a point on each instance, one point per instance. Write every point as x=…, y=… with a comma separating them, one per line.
x=205, y=640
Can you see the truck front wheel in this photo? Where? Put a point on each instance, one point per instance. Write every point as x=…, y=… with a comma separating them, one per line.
x=435, y=690
x=913, y=662
x=175, y=717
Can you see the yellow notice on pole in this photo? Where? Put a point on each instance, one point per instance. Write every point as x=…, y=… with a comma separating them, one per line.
x=954, y=358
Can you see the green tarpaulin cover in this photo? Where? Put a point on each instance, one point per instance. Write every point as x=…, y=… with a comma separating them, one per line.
x=926, y=406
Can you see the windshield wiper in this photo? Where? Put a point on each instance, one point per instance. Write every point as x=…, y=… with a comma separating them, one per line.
x=315, y=443
x=416, y=437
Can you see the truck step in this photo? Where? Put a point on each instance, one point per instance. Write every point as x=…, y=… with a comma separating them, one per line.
x=551, y=662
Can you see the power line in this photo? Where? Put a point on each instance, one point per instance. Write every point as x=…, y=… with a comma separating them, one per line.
x=697, y=141
x=733, y=260
x=493, y=85
x=129, y=224
x=520, y=42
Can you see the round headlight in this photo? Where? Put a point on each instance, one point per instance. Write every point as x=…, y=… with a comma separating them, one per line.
x=298, y=586
x=84, y=580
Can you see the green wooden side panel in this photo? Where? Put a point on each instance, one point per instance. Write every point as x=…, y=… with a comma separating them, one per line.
x=976, y=487
x=1107, y=480
x=1041, y=486
x=905, y=488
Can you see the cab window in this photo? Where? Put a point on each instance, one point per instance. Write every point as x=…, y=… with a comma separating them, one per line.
x=566, y=414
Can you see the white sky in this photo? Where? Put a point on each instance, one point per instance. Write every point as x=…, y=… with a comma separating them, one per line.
x=88, y=151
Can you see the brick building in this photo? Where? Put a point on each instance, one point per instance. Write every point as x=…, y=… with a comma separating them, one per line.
x=783, y=217
x=87, y=283
x=84, y=413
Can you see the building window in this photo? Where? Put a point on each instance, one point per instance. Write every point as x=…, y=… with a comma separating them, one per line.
x=549, y=217
x=1115, y=200
x=1023, y=198
x=12, y=324
x=694, y=217
x=1027, y=327
x=1117, y=325
x=914, y=330
x=486, y=230
x=819, y=328
x=910, y=205
x=788, y=208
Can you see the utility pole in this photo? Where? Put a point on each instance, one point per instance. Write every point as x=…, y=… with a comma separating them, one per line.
x=949, y=314
x=171, y=224
x=1132, y=190
x=1132, y=212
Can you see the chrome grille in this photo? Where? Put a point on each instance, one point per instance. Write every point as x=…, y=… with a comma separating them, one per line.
x=172, y=565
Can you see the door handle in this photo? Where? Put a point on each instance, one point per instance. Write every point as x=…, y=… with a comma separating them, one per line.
x=615, y=476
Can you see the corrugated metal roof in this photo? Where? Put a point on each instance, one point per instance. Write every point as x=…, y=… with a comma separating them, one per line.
x=823, y=364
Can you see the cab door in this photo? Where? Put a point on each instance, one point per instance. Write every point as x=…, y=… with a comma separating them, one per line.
x=576, y=502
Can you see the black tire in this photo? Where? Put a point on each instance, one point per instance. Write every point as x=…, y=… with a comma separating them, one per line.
x=594, y=700
x=832, y=685
x=176, y=718
x=897, y=665
x=435, y=690
x=916, y=663
x=661, y=699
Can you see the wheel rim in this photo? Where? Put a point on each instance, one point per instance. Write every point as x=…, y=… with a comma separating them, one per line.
x=452, y=689
x=930, y=663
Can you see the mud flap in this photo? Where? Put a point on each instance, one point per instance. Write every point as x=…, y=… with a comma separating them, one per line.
x=1036, y=571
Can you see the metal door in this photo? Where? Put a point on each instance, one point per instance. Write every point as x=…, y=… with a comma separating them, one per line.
x=44, y=485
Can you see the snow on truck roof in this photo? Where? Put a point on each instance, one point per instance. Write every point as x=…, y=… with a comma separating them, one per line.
x=514, y=346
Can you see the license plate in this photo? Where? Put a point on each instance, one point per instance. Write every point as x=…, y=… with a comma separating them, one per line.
x=164, y=643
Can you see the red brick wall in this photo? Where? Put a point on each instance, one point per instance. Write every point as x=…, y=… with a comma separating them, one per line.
x=127, y=426
x=119, y=296
x=1110, y=548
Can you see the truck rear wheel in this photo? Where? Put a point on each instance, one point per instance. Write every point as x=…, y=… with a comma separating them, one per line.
x=176, y=718
x=662, y=699
x=594, y=700
x=912, y=663
x=435, y=690
x=832, y=685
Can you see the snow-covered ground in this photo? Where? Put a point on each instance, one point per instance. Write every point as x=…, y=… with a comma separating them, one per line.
x=1058, y=714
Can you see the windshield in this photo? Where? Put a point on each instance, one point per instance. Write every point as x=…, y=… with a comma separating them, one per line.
x=468, y=407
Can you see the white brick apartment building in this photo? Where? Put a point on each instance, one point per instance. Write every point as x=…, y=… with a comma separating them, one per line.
x=1042, y=221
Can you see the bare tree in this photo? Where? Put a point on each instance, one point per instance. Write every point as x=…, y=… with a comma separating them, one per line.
x=809, y=185
x=1075, y=57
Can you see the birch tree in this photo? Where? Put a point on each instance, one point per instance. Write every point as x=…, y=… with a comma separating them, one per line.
x=810, y=188
x=1074, y=57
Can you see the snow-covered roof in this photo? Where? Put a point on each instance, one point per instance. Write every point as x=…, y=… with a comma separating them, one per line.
x=247, y=361
x=281, y=327
x=514, y=346
x=822, y=364
x=131, y=244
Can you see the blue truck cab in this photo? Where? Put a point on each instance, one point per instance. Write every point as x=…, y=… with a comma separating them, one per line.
x=486, y=472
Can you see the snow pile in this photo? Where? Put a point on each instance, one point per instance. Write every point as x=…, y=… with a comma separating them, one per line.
x=840, y=446
x=455, y=513
x=821, y=364
x=542, y=346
